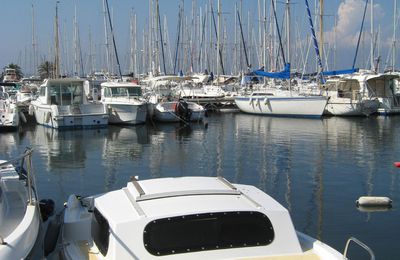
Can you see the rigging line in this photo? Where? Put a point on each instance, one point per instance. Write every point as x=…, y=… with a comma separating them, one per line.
x=112, y=33
x=278, y=31
x=244, y=43
x=161, y=38
x=178, y=38
x=216, y=36
x=359, y=35
x=315, y=42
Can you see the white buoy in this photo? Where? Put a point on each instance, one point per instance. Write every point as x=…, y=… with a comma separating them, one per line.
x=371, y=201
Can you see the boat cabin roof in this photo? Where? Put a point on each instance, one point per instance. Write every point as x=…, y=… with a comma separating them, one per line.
x=166, y=205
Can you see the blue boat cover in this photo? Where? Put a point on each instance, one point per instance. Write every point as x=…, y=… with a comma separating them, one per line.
x=285, y=74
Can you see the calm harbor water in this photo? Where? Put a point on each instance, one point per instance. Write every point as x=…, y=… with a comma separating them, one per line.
x=315, y=168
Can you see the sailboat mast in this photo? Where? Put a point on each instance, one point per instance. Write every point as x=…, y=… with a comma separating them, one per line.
x=106, y=37
x=288, y=39
x=394, y=35
x=321, y=27
x=218, y=37
x=372, y=36
x=57, y=46
x=34, y=47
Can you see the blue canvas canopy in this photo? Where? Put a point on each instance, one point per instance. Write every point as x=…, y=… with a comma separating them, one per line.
x=285, y=74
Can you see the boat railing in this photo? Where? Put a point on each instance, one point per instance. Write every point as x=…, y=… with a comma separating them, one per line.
x=24, y=160
x=359, y=243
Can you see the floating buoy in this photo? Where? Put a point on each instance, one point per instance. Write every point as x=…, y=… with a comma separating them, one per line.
x=371, y=201
x=397, y=164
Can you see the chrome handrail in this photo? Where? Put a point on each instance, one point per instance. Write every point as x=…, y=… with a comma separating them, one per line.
x=361, y=244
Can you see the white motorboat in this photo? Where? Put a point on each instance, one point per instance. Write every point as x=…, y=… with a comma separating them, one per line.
x=124, y=102
x=184, y=218
x=178, y=111
x=62, y=103
x=382, y=86
x=19, y=211
x=277, y=102
x=9, y=114
x=347, y=98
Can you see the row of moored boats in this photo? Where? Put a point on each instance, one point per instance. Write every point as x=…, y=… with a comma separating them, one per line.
x=75, y=102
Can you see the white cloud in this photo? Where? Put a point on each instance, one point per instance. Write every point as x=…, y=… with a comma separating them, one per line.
x=349, y=15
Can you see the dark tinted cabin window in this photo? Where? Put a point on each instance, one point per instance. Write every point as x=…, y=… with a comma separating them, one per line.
x=209, y=231
x=100, y=231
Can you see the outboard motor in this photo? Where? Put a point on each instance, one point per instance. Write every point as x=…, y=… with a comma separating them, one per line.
x=183, y=110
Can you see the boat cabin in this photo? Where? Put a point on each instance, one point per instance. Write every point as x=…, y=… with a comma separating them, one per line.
x=63, y=92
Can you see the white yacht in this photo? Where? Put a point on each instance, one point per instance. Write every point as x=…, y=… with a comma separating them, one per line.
x=382, y=86
x=124, y=102
x=276, y=102
x=348, y=98
x=9, y=114
x=62, y=103
x=184, y=218
x=19, y=210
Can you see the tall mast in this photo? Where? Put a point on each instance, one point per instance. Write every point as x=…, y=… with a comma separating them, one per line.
x=34, y=47
x=106, y=37
x=218, y=37
x=76, y=62
x=288, y=30
x=321, y=27
x=394, y=35
x=57, y=46
x=372, y=36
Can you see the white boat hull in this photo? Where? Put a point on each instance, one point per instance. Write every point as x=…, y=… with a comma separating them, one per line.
x=126, y=113
x=19, y=219
x=299, y=106
x=344, y=107
x=91, y=115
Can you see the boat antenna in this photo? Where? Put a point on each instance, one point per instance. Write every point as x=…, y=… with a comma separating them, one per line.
x=115, y=46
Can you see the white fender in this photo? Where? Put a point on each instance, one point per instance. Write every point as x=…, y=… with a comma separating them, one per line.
x=266, y=100
x=31, y=110
x=251, y=101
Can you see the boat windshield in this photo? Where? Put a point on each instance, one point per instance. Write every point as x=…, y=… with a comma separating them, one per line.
x=208, y=231
x=67, y=93
x=123, y=92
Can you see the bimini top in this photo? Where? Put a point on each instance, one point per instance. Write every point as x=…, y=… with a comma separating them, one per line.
x=158, y=217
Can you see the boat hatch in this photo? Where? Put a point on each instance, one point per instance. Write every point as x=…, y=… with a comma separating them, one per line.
x=207, y=231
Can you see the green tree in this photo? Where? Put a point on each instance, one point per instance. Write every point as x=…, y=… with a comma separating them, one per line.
x=46, y=70
x=17, y=69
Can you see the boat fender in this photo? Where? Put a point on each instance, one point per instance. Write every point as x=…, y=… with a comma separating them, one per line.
x=22, y=116
x=47, y=117
x=397, y=164
x=251, y=101
x=31, y=110
x=372, y=201
x=266, y=100
x=46, y=208
x=51, y=235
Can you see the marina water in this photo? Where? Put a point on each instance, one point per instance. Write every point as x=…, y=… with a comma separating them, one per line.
x=316, y=168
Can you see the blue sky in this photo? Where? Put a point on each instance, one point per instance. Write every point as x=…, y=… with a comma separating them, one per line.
x=16, y=20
